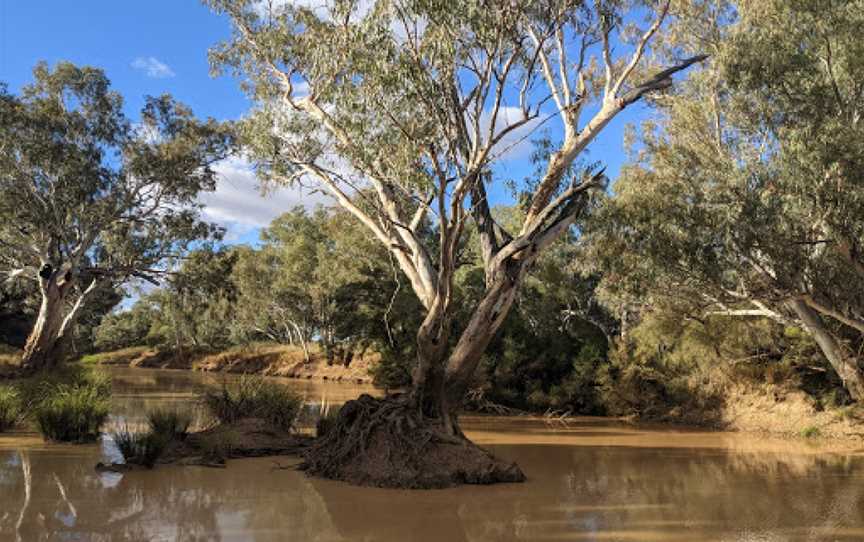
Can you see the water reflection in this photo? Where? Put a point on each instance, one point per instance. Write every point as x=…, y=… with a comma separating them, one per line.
x=598, y=482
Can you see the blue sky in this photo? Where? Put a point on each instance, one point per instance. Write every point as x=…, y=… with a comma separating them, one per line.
x=159, y=46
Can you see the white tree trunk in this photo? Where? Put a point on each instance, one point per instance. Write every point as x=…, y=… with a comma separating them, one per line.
x=845, y=366
x=41, y=350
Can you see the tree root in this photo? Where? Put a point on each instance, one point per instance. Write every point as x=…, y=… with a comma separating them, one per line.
x=387, y=443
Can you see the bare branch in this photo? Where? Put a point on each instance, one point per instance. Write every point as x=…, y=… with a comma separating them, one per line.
x=640, y=49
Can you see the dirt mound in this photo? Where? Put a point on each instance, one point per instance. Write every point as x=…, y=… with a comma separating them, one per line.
x=385, y=443
x=247, y=437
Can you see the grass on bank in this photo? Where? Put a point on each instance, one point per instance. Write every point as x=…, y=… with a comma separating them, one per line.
x=11, y=409
x=170, y=423
x=68, y=404
x=141, y=448
x=254, y=397
x=116, y=357
x=165, y=426
x=72, y=413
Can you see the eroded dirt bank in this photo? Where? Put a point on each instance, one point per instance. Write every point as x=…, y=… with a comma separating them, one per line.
x=269, y=360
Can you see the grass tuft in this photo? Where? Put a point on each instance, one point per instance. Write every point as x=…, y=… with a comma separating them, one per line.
x=10, y=408
x=811, y=432
x=172, y=424
x=69, y=406
x=254, y=397
x=141, y=448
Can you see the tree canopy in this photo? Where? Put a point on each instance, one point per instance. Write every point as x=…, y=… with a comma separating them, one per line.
x=89, y=198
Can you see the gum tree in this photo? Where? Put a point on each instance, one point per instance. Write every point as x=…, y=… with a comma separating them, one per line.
x=747, y=199
x=400, y=110
x=88, y=199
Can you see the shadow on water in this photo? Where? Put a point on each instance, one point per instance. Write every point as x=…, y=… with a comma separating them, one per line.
x=600, y=481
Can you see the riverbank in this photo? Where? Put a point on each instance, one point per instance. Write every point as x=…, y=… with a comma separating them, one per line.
x=745, y=406
x=592, y=479
x=268, y=360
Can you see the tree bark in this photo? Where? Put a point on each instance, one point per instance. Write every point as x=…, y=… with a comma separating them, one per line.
x=845, y=366
x=43, y=349
x=442, y=375
x=428, y=375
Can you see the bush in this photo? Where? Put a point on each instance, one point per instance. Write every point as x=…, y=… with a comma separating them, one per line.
x=10, y=408
x=172, y=424
x=254, y=397
x=141, y=448
x=41, y=386
x=811, y=432
x=70, y=411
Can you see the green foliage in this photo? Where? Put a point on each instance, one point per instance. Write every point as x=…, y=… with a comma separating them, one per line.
x=170, y=423
x=254, y=397
x=73, y=412
x=393, y=370
x=141, y=448
x=743, y=204
x=146, y=447
x=128, y=193
x=811, y=432
x=41, y=385
x=126, y=329
x=119, y=357
x=11, y=410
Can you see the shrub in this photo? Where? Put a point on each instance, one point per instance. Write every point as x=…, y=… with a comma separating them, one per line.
x=72, y=411
x=254, y=397
x=10, y=407
x=140, y=448
x=170, y=423
x=811, y=432
x=41, y=386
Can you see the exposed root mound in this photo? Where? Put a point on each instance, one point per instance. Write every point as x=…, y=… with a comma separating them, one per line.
x=386, y=443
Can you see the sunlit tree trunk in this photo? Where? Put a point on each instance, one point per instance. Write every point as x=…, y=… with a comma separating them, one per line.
x=43, y=350
x=845, y=365
x=53, y=331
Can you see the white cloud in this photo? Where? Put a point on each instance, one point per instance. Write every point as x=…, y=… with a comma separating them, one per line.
x=152, y=67
x=516, y=145
x=240, y=207
x=323, y=10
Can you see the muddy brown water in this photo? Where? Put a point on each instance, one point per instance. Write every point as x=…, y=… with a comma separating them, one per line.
x=590, y=480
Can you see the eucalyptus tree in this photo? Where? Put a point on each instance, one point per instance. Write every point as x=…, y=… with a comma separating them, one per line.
x=747, y=199
x=89, y=199
x=412, y=104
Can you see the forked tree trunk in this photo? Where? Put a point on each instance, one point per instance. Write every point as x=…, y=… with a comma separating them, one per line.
x=844, y=365
x=414, y=440
x=52, y=334
x=43, y=349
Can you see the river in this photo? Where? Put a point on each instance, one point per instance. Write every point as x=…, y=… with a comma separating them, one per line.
x=591, y=479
